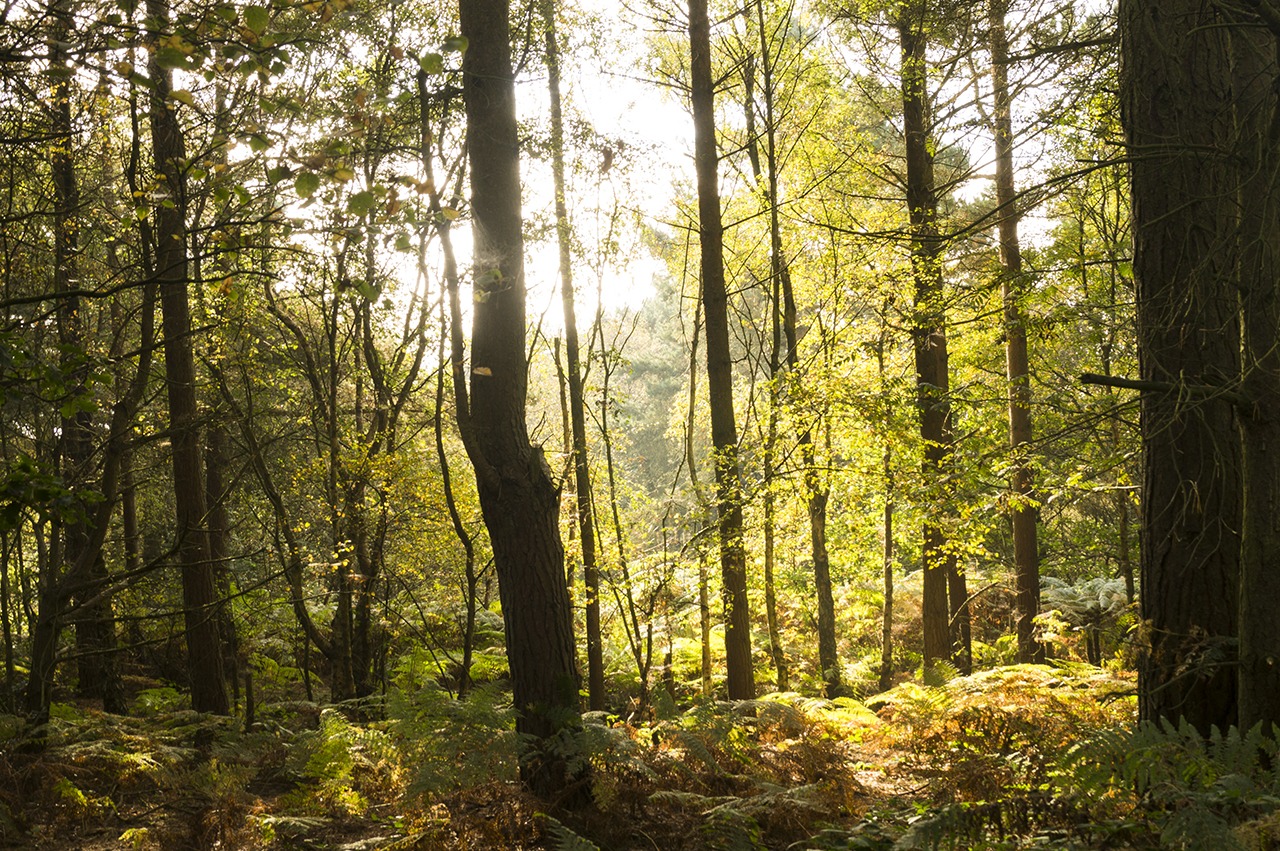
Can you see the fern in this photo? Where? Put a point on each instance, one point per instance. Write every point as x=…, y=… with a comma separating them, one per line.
x=1193, y=789
x=456, y=744
x=566, y=839
x=347, y=764
x=730, y=830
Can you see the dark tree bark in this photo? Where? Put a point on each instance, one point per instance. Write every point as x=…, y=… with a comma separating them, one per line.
x=217, y=492
x=704, y=509
x=724, y=428
x=94, y=624
x=518, y=498
x=199, y=594
x=1177, y=102
x=928, y=326
x=573, y=368
x=1026, y=557
x=1255, y=76
x=887, y=555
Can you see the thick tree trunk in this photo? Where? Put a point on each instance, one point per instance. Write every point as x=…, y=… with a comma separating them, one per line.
x=1177, y=107
x=199, y=596
x=1026, y=557
x=518, y=498
x=724, y=428
x=1258, y=155
x=928, y=326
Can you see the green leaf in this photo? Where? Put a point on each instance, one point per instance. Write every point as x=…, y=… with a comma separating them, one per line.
x=360, y=203
x=456, y=44
x=403, y=243
x=432, y=63
x=172, y=57
x=259, y=143
x=279, y=173
x=182, y=96
x=256, y=19
x=306, y=184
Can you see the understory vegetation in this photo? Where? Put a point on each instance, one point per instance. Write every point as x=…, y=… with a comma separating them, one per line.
x=1017, y=756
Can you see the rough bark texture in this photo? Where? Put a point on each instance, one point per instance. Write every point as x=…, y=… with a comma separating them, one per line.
x=928, y=327
x=199, y=597
x=519, y=501
x=724, y=428
x=1176, y=94
x=1026, y=556
x=1258, y=157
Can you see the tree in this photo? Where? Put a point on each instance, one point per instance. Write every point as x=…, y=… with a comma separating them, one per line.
x=724, y=429
x=1255, y=75
x=208, y=687
x=573, y=366
x=1013, y=286
x=519, y=500
x=928, y=328
x=1184, y=209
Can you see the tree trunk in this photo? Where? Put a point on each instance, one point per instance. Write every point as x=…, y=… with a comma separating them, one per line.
x=1177, y=107
x=704, y=597
x=928, y=325
x=199, y=597
x=724, y=428
x=217, y=491
x=886, y=620
x=776, y=372
x=573, y=366
x=1258, y=159
x=1026, y=558
x=518, y=498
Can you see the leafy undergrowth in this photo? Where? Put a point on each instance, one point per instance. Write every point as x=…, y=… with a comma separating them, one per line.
x=1016, y=757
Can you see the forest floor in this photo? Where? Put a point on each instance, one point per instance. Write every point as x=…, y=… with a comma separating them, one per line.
x=1022, y=756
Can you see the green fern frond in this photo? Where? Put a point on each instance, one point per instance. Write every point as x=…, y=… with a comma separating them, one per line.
x=938, y=673
x=566, y=839
x=729, y=830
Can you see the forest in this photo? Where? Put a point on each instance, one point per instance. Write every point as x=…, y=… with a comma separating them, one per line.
x=662, y=424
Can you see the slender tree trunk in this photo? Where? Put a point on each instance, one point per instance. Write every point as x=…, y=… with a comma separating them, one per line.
x=217, y=491
x=519, y=500
x=450, y=328
x=886, y=621
x=776, y=373
x=928, y=327
x=1026, y=557
x=199, y=596
x=1176, y=94
x=94, y=619
x=573, y=366
x=691, y=461
x=724, y=429
x=6, y=624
